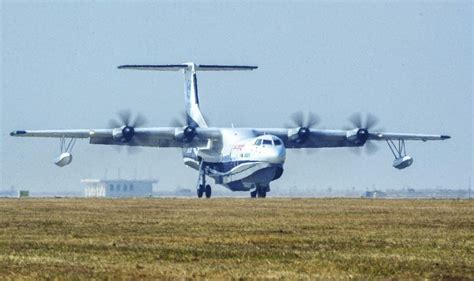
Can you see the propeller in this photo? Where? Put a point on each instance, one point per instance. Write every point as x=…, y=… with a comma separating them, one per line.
x=364, y=126
x=127, y=126
x=370, y=121
x=303, y=127
x=189, y=128
x=300, y=122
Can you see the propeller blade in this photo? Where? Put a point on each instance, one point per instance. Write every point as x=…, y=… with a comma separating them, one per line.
x=356, y=119
x=114, y=124
x=372, y=120
x=139, y=121
x=371, y=147
x=347, y=128
x=176, y=123
x=313, y=120
x=181, y=121
x=125, y=116
x=297, y=118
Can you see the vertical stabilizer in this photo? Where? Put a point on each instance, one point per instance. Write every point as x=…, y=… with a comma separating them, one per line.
x=191, y=98
x=193, y=112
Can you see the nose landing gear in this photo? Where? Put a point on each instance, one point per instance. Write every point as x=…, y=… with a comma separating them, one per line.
x=203, y=188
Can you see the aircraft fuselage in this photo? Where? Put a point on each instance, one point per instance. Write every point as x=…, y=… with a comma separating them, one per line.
x=243, y=163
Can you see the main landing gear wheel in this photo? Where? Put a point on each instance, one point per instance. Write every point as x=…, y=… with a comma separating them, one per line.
x=200, y=191
x=203, y=188
x=253, y=194
x=208, y=191
x=260, y=192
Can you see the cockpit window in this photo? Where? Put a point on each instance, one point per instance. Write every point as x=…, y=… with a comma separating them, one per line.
x=267, y=142
x=277, y=142
x=258, y=142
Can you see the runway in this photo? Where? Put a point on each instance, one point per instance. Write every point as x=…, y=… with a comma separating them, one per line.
x=236, y=238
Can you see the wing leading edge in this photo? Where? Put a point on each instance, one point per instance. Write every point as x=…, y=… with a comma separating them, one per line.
x=318, y=138
x=152, y=137
x=166, y=136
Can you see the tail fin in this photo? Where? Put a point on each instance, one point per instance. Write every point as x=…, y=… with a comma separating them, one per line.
x=194, y=115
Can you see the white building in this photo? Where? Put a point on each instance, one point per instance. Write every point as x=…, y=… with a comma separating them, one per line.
x=118, y=188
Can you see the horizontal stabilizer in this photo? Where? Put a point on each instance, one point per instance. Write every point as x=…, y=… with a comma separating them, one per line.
x=176, y=67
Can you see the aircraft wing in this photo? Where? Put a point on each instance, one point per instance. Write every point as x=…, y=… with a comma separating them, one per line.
x=316, y=138
x=403, y=136
x=152, y=137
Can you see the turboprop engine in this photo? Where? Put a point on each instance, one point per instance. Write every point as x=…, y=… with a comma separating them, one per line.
x=186, y=134
x=357, y=136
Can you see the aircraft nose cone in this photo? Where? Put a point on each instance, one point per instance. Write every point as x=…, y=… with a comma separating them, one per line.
x=277, y=155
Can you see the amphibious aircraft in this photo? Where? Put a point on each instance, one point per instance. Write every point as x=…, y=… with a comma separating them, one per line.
x=241, y=159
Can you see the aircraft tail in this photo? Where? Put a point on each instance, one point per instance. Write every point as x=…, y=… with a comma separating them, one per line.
x=193, y=112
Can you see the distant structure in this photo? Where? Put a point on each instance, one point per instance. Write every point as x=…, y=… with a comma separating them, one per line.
x=374, y=194
x=118, y=188
x=23, y=193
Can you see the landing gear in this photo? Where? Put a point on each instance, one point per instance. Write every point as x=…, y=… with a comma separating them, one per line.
x=204, y=191
x=253, y=194
x=208, y=191
x=200, y=191
x=260, y=192
x=203, y=188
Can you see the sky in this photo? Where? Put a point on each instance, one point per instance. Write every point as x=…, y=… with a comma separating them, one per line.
x=409, y=63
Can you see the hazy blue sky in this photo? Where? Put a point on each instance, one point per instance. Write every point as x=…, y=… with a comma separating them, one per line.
x=408, y=63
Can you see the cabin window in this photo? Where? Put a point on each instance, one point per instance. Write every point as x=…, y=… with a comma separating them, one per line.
x=267, y=142
x=277, y=142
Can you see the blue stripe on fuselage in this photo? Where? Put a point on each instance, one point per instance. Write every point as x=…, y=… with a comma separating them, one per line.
x=225, y=167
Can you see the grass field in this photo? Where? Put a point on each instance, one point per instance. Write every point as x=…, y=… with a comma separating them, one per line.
x=234, y=238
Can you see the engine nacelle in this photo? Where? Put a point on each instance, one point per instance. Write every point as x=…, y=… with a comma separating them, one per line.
x=63, y=159
x=123, y=134
x=299, y=135
x=402, y=162
x=185, y=134
x=357, y=136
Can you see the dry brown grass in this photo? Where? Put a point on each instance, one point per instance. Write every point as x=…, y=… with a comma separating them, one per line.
x=236, y=238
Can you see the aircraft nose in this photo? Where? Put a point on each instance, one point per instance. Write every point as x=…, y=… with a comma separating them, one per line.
x=278, y=155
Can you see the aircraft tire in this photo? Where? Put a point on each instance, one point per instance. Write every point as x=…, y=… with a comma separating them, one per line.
x=261, y=192
x=208, y=191
x=200, y=191
x=253, y=194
